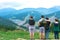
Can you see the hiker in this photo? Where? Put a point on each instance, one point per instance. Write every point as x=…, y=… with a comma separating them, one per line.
x=56, y=29
x=47, y=28
x=31, y=27
x=41, y=27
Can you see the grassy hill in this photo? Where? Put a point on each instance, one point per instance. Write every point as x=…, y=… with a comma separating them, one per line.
x=17, y=34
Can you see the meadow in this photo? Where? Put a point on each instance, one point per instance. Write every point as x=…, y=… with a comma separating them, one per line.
x=20, y=35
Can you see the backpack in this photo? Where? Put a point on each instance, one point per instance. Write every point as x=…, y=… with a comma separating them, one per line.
x=42, y=23
x=31, y=22
x=47, y=25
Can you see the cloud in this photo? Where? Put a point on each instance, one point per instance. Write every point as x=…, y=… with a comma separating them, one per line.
x=10, y=4
x=19, y=4
x=43, y=3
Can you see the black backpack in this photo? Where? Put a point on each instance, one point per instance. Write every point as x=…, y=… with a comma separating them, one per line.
x=31, y=22
x=47, y=25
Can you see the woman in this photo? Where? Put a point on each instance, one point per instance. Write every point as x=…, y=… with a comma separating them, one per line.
x=56, y=29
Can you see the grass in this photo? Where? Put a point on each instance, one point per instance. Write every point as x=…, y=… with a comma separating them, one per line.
x=17, y=34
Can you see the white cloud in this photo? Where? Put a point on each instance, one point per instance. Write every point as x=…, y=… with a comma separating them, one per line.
x=19, y=4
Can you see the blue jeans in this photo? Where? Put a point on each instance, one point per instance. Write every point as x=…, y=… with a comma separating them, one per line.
x=56, y=34
x=47, y=33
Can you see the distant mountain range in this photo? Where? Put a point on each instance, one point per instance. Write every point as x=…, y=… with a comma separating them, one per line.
x=11, y=24
x=56, y=14
x=7, y=11
x=23, y=13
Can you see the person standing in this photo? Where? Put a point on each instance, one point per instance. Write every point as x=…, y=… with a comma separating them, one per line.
x=56, y=29
x=47, y=28
x=31, y=27
x=41, y=24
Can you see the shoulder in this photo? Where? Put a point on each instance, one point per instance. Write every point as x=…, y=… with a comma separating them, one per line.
x=41, y=19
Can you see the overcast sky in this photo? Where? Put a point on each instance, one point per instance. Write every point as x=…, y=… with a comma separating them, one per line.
x=20, y=4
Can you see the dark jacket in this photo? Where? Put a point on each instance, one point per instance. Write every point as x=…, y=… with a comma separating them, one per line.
x=47, y=25
x=56, y=26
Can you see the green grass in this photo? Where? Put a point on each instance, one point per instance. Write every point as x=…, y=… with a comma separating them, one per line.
x=14, y=35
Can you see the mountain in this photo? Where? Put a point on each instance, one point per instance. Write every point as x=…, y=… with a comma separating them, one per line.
x=7, y=24
x=21, y=14
x=11, y=11
x=43, y=11
x=57, y=7
x=53, y=10
x=7, y=11
x=56, y=14
x=26, y=10
x=24, y=14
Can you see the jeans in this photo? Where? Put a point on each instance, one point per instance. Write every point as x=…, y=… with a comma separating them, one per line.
x=47, y=33
x=56, y=34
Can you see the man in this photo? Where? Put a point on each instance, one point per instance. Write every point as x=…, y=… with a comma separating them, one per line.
x=47, y=28
x=31, y=27
x=41, y=23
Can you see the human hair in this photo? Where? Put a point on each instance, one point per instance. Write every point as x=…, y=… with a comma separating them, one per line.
x=47, y=18
x=56, y=20
x=42, y=16
x=31, y=16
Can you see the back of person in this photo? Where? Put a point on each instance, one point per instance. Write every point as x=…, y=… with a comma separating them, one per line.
x=31, y=22
x=31, y=27
x=47, y=25
x=56, y=26
x=47, y=28
x=56, y=29
x=42, y=23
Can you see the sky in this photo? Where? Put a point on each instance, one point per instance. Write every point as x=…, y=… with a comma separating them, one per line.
x=20, y=4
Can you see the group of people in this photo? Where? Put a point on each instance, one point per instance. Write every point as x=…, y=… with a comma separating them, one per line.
x=44, y=25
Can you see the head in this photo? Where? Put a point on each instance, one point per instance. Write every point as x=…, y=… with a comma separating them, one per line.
x=31, y=17
x=47, y=18
x=56, y=20
x=42, y=16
